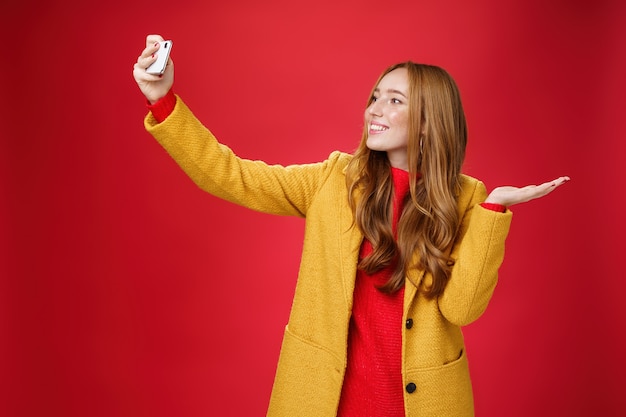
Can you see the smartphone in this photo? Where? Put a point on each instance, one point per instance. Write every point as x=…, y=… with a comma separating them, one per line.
x=163, y=55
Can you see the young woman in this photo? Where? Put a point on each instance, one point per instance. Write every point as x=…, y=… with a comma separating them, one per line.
x=400, y=248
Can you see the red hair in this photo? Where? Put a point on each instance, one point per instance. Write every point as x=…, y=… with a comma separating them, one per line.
x=436, y=150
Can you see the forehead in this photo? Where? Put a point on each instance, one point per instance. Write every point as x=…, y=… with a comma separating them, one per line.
x=397, y=79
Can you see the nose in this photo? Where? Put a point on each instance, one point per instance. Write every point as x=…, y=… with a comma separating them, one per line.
x=375, y=108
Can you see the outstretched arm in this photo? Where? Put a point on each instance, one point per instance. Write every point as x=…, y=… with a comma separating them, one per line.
x=508, y=196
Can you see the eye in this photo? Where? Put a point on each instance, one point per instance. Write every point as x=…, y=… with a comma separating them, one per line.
x=396, y=101
x=373, y=99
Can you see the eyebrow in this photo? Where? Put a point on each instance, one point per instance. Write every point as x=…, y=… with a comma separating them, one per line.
x=391, y=90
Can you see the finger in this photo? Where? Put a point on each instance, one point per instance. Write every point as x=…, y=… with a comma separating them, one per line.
x=560, y=181
x=152, y=39
x=531, y=192
x=554, y=184
x=140, y=74
x=547, y=187
x=537, y=191
x=152, y=46
x=145, y=61
x=150, y=51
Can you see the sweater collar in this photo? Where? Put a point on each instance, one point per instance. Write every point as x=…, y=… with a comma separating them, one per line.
x=401, y=181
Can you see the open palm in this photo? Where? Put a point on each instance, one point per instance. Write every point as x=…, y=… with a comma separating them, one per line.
x=508, y=195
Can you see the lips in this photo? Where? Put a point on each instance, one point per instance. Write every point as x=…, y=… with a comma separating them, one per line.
x=377, y=128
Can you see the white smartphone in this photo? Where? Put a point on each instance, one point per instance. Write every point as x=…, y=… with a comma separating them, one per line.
x=163, y=55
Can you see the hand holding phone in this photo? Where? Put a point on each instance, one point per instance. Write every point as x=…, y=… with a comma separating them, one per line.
x=163, y=55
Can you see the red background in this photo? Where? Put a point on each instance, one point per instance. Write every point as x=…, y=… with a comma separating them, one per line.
x=126, y=291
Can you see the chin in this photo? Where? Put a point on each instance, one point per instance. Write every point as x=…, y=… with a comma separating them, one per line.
x=374, y=146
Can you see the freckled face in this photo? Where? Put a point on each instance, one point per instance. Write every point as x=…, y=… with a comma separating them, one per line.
x=387, y=118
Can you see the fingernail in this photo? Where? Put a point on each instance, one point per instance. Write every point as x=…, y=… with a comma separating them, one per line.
x=156, y=44
x=152, y=55
x=160, y=75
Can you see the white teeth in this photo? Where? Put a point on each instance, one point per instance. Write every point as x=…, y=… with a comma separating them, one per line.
x=378, y=127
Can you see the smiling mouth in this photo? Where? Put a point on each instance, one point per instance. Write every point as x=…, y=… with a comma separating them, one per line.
x=378, y=128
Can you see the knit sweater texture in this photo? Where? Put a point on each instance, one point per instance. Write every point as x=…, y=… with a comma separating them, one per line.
x=373, y=382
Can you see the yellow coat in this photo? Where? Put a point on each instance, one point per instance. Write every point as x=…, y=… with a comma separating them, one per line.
x=312, y=361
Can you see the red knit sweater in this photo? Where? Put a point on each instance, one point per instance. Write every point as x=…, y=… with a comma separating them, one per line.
x=373, y=382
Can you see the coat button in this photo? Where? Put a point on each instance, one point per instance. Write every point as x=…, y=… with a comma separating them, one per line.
x=409, y=323
x=411, y=387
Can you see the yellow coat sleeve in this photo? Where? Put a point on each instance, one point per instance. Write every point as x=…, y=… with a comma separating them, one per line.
x=477, y=253
x=216, y=169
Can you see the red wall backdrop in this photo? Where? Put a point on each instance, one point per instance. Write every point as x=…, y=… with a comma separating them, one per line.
x=126, y=291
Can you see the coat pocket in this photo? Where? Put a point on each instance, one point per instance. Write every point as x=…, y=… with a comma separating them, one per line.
x=441, y=391
x=308, y=380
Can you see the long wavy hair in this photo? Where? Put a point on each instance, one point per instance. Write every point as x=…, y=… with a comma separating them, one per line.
x=436, y=150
